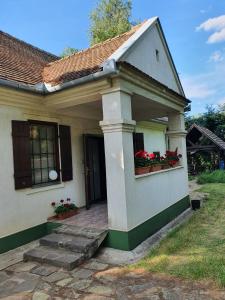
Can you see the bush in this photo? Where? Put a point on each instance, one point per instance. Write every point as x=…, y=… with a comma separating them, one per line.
x=217, y=176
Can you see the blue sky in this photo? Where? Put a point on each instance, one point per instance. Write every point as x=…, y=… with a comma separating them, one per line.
x=195, y=32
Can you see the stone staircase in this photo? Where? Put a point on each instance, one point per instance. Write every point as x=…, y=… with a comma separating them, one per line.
x=68, y=246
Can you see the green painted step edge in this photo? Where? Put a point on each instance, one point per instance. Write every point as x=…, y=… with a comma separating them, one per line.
x=129, y=240
x=26, y=236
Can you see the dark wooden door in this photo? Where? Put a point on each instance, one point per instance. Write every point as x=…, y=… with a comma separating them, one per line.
x=94, y=167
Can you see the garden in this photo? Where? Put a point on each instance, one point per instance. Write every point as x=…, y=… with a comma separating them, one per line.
x=195, y=250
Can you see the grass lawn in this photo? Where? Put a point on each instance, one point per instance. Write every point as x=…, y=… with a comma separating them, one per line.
x=195, y=250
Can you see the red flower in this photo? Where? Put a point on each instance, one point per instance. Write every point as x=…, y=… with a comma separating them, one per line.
x=141, y=154
x=53, y=204
x=151, y=155
x=61, y=200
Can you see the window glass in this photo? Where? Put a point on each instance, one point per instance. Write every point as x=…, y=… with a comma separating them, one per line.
x=44, y=149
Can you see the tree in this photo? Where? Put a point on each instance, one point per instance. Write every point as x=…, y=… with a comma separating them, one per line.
x=109, y=19
x=68, y=51
x=213, y=119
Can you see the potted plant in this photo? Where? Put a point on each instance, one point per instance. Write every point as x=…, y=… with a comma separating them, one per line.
x=155, y=162
x=64, y=209
x=173, y=158
x=142, y=162
x=164, y=163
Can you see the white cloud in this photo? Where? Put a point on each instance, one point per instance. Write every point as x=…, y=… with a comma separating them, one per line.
x=207, y=87
x=196, y=89
x=217, y=25
x=216, y=56
x=216, y=37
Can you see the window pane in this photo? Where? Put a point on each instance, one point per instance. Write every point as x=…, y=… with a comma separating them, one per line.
x=43, y=146
x=51, y=162
x=50, y=132
x=37, y=176
x=36, y=147
x=37, y=162
x=50, y=146
x=43, y=132
x=45, y=175
x=44, y=161
x=34, y=134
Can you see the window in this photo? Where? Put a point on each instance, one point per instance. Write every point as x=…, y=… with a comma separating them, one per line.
x=44, y=152
x=157, y=54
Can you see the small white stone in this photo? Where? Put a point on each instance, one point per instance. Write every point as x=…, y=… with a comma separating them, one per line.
x=64, y=282
x=40, y=296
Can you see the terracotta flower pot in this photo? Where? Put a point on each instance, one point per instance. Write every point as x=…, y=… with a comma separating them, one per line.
x=155, y=168
x=67, y=214
x=165, y=167
x=141, y=170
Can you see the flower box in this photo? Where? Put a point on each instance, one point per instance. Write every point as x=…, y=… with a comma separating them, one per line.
x=166, y=166
x=142, y=170
x=155, y=168
x=64, y=209
x=66, y=215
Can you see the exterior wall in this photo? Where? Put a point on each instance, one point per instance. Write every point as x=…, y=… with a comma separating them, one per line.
x=154, y=193
x=26, y=208
x=142, y=56
x=154, y=136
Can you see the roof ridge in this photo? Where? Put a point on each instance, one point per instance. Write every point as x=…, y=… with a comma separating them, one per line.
x=97, y=45
x=28, y=44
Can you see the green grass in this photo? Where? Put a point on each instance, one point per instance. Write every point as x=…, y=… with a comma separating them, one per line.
x=196, y=249
x=217, y=176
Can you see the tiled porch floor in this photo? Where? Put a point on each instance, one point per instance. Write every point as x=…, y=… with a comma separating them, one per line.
x=95, y=217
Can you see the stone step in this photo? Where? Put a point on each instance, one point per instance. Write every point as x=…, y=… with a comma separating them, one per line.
x=90, y=233
x=56, y=257
x=73, y=243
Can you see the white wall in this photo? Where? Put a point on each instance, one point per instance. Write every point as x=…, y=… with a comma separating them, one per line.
x=154, y=193
x=154, y=136
x=29, y=207
x=142, y=55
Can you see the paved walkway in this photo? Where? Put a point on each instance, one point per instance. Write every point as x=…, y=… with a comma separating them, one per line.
x=93, y=280
x=97, y=281
x=95, y=216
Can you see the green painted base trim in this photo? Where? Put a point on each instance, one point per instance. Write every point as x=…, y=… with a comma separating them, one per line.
x=129, y=240
x=26, y=236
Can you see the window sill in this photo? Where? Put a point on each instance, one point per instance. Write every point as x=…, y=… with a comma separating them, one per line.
x=158, y=172
x=45, y=188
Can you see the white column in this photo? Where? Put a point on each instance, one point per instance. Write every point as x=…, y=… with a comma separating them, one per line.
x=117, y=126
x=177, y=139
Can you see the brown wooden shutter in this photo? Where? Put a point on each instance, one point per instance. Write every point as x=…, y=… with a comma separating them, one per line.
x=21, y=154
x=138, y=140
x=66, y=153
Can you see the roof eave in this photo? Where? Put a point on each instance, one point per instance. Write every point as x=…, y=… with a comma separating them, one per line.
x=109, y=69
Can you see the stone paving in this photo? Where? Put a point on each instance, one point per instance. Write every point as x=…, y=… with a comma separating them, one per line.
x=96, y=215
x=95, y=280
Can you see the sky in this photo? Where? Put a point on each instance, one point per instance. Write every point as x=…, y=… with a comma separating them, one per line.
x=194, y=29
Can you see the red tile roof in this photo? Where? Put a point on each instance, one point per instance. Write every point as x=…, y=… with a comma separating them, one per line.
x=25, y=63
x=84, y=62
x=20, y=61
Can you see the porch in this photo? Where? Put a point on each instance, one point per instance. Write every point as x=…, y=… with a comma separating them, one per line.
x=137, y=206
x=95, y=217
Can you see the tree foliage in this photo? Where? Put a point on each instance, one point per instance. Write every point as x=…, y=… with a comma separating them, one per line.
x=68, y=51
x=213, y=119
x=109, y=19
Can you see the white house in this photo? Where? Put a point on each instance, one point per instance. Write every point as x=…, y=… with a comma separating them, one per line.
x=50, y=106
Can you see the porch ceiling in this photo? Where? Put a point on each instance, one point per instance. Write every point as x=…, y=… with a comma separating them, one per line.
x=143, y=109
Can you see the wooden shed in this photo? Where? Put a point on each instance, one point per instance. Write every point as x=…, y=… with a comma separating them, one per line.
x=205, y=150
